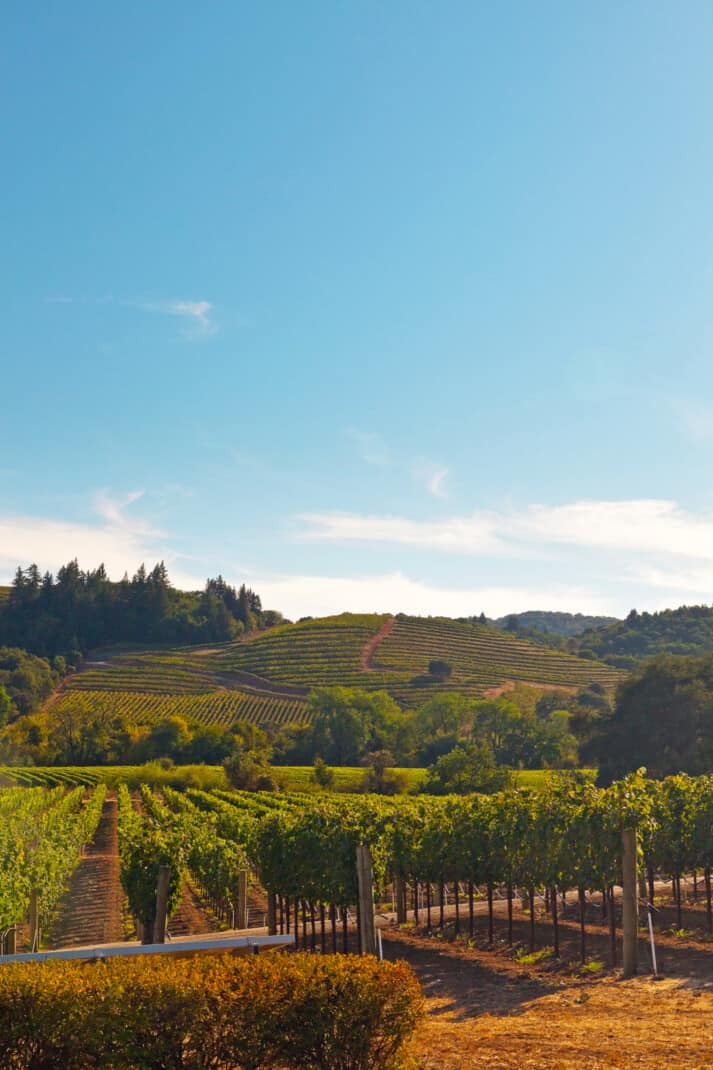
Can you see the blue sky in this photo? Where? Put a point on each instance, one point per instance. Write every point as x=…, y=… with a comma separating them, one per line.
x=391, y=306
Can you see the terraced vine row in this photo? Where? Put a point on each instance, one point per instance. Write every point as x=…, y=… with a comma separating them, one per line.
x=482, y=658
x=314, y=653
x=214, y=708
x=267, y=678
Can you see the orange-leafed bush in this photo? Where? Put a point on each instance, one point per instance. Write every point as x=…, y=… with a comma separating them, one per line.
x=274, y=1012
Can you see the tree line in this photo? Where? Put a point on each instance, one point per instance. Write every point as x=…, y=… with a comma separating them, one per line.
x=65, y=615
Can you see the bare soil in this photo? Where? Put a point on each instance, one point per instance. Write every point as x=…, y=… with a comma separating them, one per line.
x=190, y=917
x=369, y=648
x=487, y=1011
x=91, y=910
x=510, y=685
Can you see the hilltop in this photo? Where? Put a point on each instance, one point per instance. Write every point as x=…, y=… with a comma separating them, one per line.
x=267, y=676
x=566, y=625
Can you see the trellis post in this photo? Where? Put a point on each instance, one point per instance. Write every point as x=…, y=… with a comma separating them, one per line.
x=630, y=916
x=34, y=920
x=241, y=919
x=159, y=929
x=365, y=881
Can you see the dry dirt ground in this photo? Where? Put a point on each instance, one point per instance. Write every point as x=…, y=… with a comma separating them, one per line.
x=91, y=911
x=486, y=1011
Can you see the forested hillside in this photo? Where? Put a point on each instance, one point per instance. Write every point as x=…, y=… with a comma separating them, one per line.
x=69, y=614
x=566, y=625
x=687, y=630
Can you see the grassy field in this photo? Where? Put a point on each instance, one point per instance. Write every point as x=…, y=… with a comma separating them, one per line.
x=267, y=677
x=292, y=778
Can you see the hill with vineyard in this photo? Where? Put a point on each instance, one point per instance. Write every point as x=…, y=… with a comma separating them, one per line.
x=266, y=678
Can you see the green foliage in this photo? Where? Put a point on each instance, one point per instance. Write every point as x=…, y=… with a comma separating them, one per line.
x=5, y=707
x=663, y=719
x=322, y=774
x=25, y=680
x=77, y=610
x=687, y=631
x=467, y=768
x=250, y=770
x=532, y=958
x=440, y=668
x=41, y=837
x=346, y=723
x=381, y=778
x=565, y=625
x=146, y=843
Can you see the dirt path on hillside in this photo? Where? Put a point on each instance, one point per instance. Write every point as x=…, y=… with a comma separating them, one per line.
x=90, y=912
x=237, y=680
x=510, y=685
x=486, y=1011
x=369, y=648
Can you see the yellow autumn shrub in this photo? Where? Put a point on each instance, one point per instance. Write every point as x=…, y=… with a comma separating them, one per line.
x=268, y=1012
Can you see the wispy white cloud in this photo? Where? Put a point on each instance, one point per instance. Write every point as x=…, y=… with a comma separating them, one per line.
x=433, y=476
x=198, y=315
x=117, y=538
x=643, y=525
x=111, y=507
x=371, y=446
x=656, y=526
x=473, y=534
x=374, y=450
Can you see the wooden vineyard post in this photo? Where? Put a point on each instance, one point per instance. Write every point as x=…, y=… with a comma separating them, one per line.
x=490, y=915
x=365, y=879
x=34, y=920
x=510, y=894
x=400, y=896
x=630, y=919
x=555, y=924
x=159, y=929
x=531, y=896
x=241, y=919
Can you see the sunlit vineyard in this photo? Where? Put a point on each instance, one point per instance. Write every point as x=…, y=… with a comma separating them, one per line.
x=565, y=836
x=41, y=836
x=266, y=679
x=482, y=659
x=215, y=707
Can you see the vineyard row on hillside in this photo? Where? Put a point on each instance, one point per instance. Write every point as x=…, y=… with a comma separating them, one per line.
x=215, y=708
x=231, y=681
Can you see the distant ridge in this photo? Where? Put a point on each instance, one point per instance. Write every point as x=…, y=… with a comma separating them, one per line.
x=566, y=625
